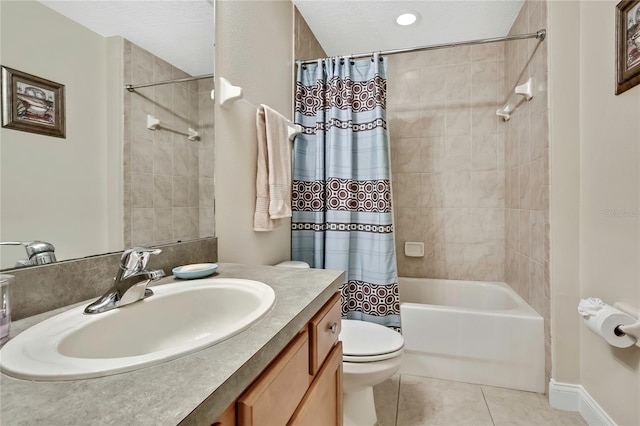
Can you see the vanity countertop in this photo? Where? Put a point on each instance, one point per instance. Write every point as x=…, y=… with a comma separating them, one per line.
x=192, y=390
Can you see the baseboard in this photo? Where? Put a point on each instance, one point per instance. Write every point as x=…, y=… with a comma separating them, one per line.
x=569, y=397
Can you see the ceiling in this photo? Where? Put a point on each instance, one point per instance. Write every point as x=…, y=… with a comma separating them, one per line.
x=182, y=31
x=361, y=26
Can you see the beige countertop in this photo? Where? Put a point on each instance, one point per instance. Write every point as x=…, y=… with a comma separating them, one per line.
x=191, y=390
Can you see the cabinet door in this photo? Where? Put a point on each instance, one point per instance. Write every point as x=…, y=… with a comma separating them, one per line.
x=228, y=418
x=274, y=396
x=322, y=405
x=324, y=329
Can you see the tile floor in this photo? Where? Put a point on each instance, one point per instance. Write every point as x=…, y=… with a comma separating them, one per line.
x=407, y=400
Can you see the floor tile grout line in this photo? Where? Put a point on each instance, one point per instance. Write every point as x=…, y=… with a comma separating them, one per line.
x=487, y=404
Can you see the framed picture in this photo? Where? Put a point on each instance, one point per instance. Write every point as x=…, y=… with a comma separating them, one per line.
x=627, y=44
x=32, y=104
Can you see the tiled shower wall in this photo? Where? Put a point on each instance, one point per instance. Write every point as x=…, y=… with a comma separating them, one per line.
x=527, y=170
x=168, y=189
x=306, y=44
x=472, y=188
x=447, y=160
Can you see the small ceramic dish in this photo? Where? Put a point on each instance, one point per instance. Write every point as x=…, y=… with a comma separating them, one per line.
x=196, y=270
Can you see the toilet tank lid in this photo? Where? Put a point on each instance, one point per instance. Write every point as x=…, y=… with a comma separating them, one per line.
x=293, y=264
x=360, y=338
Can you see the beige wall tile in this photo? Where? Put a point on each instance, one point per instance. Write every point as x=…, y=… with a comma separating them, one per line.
x=457, y=189
x=432, y=151
x=162, y=224
x=206, y=188
x=142, y=156
x=162, y=157
x=410, y=224
x=181, y=220
x=181, y=191
x=486, y=52
x=194, y=222
x=207, y=221
x=409, y=190
x=484, y=119
x=162, y=191
x=141, y=226
x=408, y=155
x=432, y=87
x=431, y=190
x=180, y=160
x=484, y=152
x=525, y=187
x=457, y=153
x=434, y=261
x=484, y=82
x=433, y=223
x=525, y=233
x=458, y=83
x=487, y=189
x=458, y=119
x=141, y=190
x=458, y=55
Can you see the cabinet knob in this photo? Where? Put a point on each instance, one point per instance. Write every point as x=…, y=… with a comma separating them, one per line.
x=333, y=327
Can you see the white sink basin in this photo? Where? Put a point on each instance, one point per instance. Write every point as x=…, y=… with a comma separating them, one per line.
x=180, y=318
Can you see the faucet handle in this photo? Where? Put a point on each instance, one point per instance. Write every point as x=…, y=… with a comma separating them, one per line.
x=136, y=258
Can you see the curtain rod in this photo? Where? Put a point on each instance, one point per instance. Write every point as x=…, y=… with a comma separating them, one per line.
x=131, y=87
x=540, y=35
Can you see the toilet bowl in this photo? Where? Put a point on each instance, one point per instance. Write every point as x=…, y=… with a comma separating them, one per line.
x=371, y=354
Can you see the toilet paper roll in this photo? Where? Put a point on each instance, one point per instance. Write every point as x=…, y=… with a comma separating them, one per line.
x=604, y=323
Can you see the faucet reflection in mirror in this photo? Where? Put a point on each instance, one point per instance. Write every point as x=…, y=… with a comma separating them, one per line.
x=38, y=252
x=126, y=289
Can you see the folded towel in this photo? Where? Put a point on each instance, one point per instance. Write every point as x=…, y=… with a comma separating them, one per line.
x=273, y=177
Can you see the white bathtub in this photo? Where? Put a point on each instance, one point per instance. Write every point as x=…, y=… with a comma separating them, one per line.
x=471, y=331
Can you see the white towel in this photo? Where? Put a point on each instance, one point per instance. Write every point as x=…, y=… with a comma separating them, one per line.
x=273, y=177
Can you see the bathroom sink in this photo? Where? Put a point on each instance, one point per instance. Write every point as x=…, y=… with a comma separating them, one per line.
x=179, y=319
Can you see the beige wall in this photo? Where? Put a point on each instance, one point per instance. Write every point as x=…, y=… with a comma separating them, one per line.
x=527, y=169
x=564, y=203
x=56, y=189
x=254, y=50
x=447, y=161
x=168, y=190
x=608, y=144
x=609, y=185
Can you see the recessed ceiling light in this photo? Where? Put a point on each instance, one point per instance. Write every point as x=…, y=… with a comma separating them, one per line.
x=407, y=18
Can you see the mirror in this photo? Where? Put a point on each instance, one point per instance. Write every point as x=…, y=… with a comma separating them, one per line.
x=111, y=183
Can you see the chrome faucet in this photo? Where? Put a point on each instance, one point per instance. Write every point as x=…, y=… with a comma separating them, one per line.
x=38, y=252
x=126, y=289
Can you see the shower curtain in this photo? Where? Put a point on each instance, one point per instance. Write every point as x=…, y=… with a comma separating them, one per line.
x=341, y=199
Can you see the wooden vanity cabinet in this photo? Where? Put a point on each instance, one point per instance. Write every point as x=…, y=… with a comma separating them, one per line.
x=322, y=404
x=303, y=384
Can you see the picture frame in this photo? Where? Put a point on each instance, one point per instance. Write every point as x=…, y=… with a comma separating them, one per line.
x=627, y=45
x=32, y=104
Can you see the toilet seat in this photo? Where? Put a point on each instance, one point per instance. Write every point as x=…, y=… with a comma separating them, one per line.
x=367, y=342
x=371, y=358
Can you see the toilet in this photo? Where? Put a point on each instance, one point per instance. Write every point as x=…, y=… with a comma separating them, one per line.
x=371, y=354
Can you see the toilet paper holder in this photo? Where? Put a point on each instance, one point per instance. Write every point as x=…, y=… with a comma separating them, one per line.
x=628, y=329
x=632, y=330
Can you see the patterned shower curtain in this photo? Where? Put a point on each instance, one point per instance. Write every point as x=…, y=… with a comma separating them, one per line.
x=341, y=198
